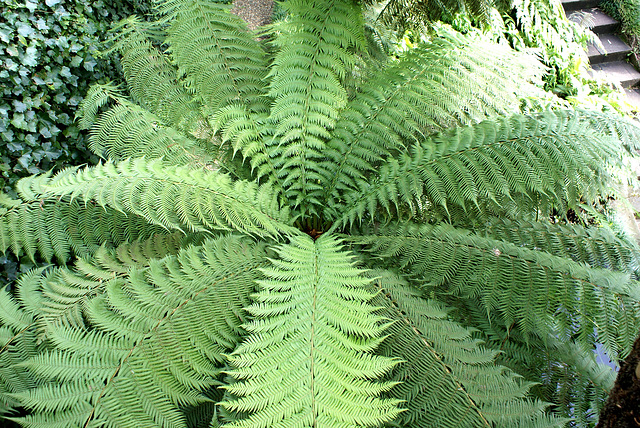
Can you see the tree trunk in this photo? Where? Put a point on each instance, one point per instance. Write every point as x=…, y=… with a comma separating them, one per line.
x=255, y=12
x=622, y=409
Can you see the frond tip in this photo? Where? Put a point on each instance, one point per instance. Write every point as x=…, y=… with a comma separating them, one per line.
x=308, y=360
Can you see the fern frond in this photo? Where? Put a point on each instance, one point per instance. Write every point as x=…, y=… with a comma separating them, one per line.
x=567, y=374
x=97, y=97
x=60, y=295
x=448, y=81
x=217, y=57
x=126, y=130
x=59, y=228
x=597, y=246
x=532, y=291
x=176, y=198
x=144, y=357
x=552, y=161
x=308, y=362
x=18, y=342
x=443, y=364
x=151, y=79
x=616, y=126
x=314, y=56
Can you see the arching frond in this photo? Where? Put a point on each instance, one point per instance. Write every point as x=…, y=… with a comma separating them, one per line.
x=127, y=130
x=597, y=246
x=314, y=56
x=144, y=357
x=449, y=81
x=617, y=126
x=308, y=361
x=531, y=291
x=152, y=80
x=567, y=374
x=443, y=364
x=553, y=161
x=176, y=198
x=59, y=227
x=218, y=59
x=18, y=342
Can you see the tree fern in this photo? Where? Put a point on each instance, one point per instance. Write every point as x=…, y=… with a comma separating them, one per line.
x=285, y=232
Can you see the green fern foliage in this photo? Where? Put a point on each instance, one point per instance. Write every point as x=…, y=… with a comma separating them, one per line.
x=308, y=362
x=450, y=80
x=145, y=357
x=218, y=59
x=175, y=198
x=315, y=54
x=287, y=232
x=443, y=363
x=553, y=294
x=551, y=161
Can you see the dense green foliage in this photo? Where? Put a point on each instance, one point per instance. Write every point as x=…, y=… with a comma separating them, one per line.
x=286, y=232
x=48, y=52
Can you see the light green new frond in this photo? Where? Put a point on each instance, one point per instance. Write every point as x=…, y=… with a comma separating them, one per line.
x=308, y=360
x=451, y=80
x=443, y=364
x=540, y=162
x=152, y=80
x=597, y=246
x=59, y=228
x=217, y=57
x=127, y=130
x=155, y=341
x=314, y=56
x=531, y=291
x=176, y=198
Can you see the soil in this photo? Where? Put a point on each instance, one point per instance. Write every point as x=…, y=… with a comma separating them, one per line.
x=622, y=409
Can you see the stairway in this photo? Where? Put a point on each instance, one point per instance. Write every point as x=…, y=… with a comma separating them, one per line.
x=609, y=63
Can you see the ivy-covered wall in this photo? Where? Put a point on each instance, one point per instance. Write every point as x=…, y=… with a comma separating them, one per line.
x=48, y=59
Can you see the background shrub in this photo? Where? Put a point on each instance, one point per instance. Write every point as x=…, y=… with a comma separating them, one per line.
x=48, y=59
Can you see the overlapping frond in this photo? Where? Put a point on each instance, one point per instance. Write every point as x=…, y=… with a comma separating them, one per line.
x=126, y=130
x=59, y=295
x=450, y=80
x=144, y=356
x=18, y=342
x=59, y=227
x=315, y=54
x=151, y=79
x=531, y=291
x=446, y=379
x=217, y=57
x=549, y=161
x=617, y=126
x=597, y=246
x=566, y=374
x=308, y=361
x=176, y=198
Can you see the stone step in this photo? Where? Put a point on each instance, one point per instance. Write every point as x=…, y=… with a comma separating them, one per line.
x=594, y=19
x=612, y=49
x=620, y=72
x=571, y=5
x=633, y=97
